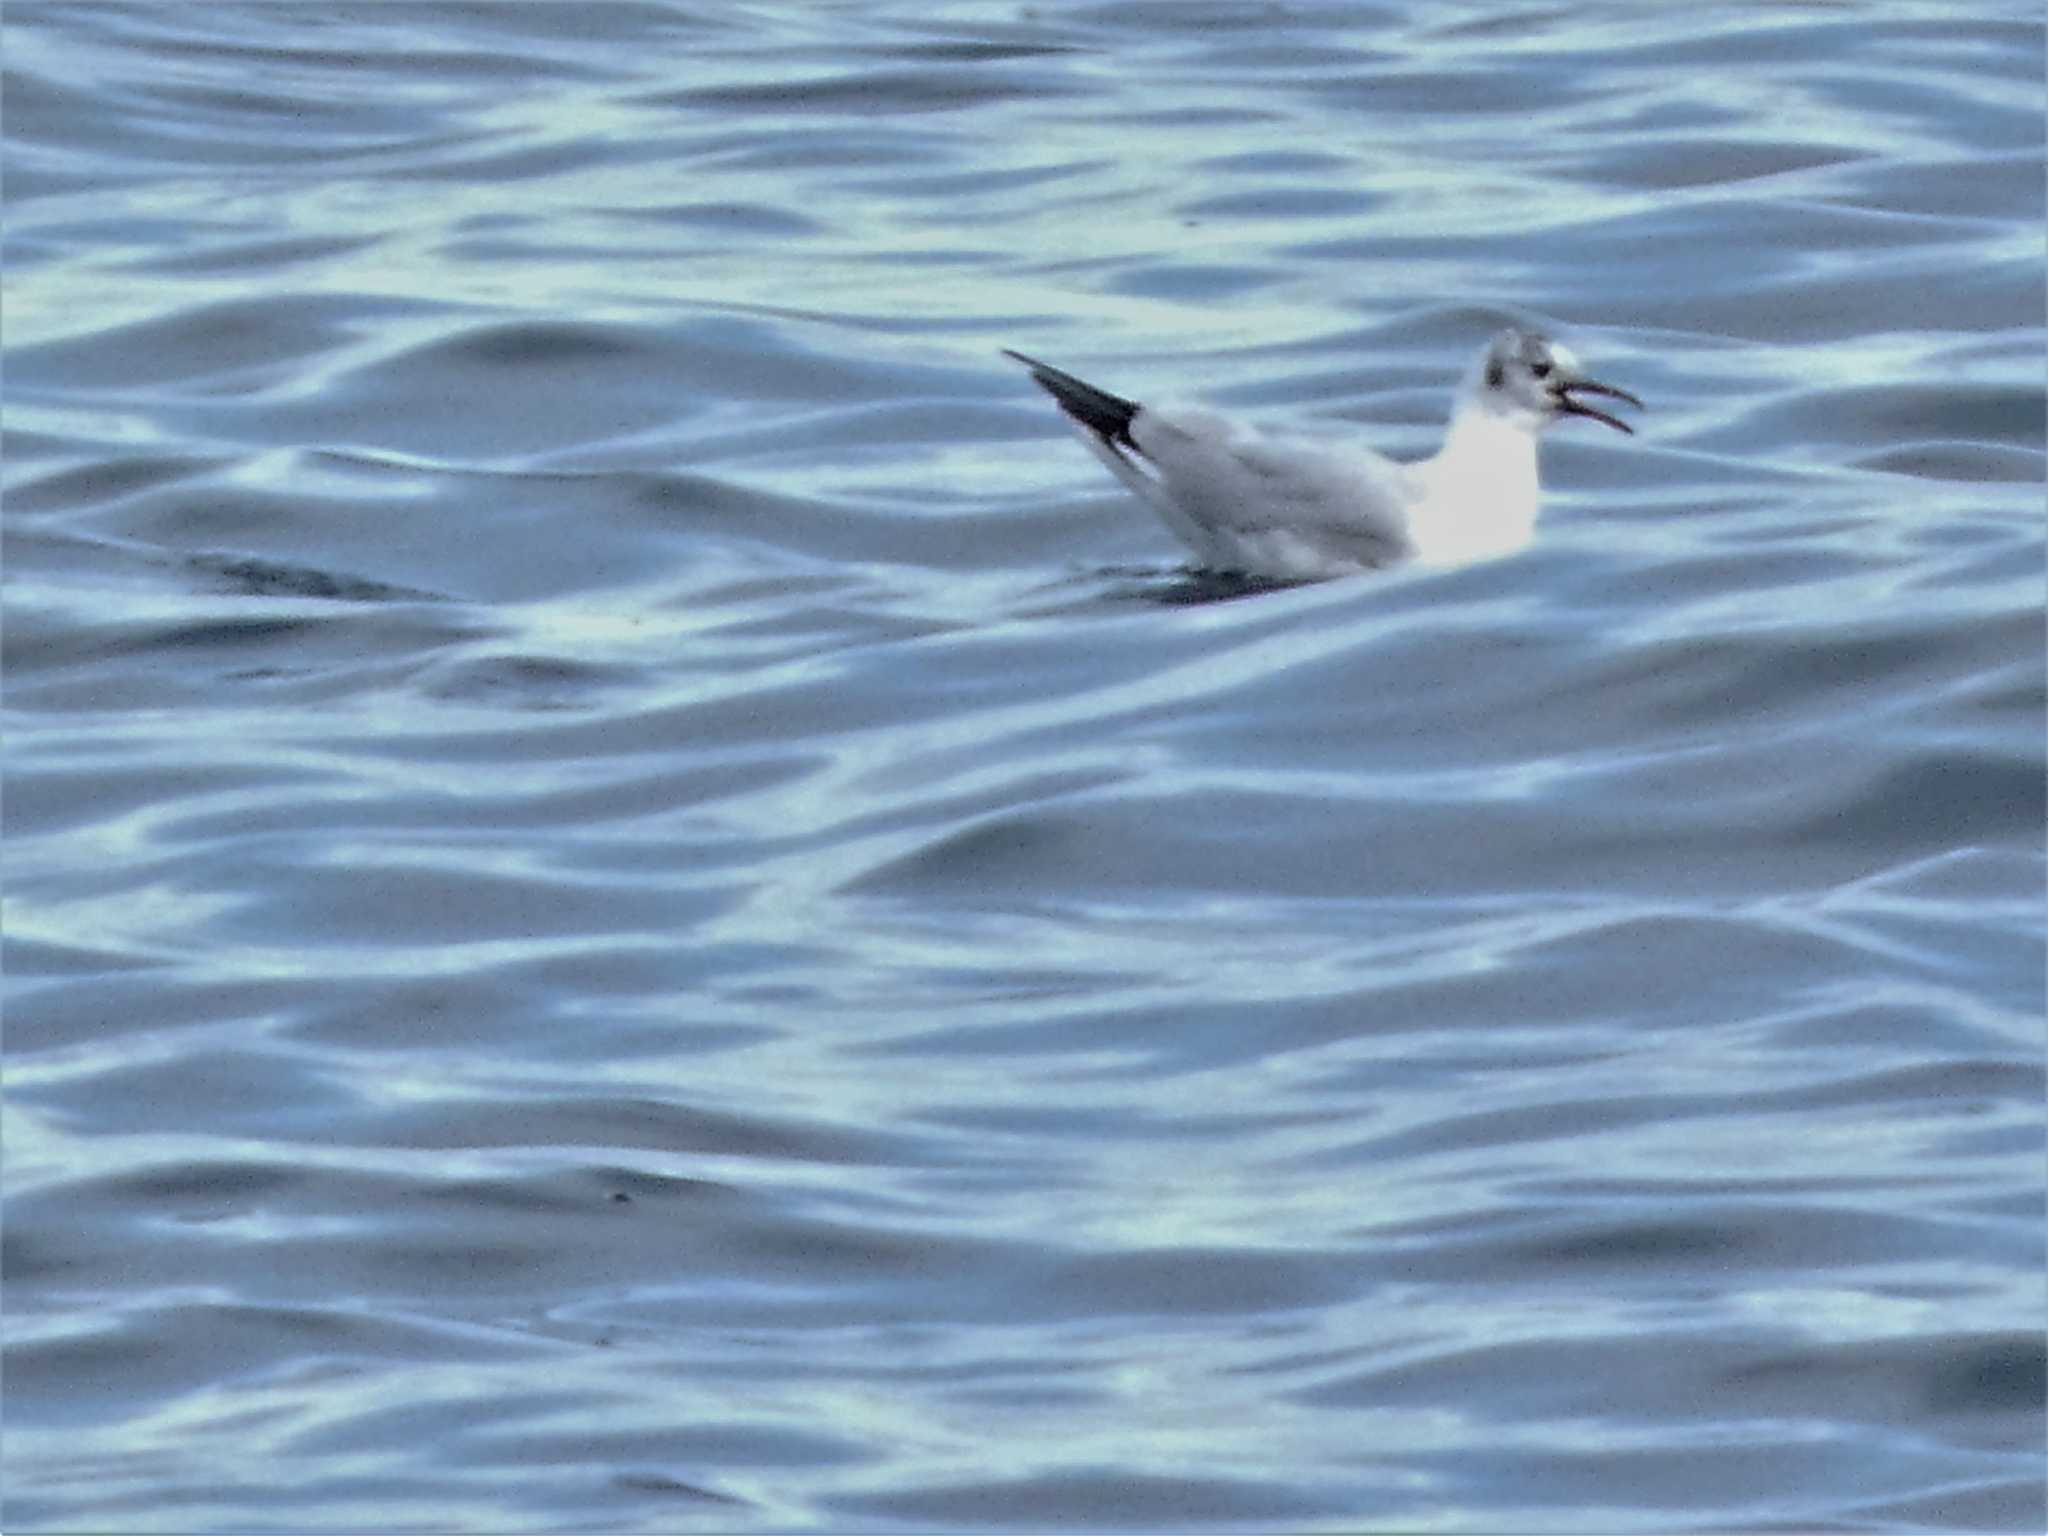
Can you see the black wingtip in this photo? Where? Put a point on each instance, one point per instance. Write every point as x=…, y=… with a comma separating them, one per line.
x=1108, y=416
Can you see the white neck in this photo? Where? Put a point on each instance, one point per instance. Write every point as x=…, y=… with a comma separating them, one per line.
x=1480, y=490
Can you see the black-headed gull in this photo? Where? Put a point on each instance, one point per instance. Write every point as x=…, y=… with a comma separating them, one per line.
x=1300, y=508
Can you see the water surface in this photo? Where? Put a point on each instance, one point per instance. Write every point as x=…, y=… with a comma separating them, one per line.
x=639, y=901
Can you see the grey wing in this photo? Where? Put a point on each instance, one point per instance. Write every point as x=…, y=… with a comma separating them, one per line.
x=1241, y=482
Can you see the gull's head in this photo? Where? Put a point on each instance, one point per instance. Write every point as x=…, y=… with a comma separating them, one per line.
x=1532, y=381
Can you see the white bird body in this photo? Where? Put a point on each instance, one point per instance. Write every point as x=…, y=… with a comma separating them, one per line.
x=1299, y=507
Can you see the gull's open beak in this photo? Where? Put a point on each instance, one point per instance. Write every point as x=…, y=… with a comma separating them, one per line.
x=1567, y=401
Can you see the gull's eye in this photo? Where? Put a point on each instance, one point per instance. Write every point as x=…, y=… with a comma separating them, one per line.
x=1541, y=370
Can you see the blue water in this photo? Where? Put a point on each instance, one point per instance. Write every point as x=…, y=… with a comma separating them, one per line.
x=639, y=901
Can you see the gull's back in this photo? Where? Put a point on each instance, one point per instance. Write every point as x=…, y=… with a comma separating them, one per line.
x=1284, y=504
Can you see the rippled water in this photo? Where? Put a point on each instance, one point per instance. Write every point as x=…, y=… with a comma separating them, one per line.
x=639, y=901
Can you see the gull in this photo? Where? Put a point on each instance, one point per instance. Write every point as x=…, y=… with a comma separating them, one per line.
x=1290, y=506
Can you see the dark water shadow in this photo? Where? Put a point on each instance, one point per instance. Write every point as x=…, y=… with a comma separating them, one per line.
x=250, y=576
x=1189, y=586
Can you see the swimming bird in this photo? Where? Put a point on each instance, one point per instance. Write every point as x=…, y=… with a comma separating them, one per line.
x=1300, y=507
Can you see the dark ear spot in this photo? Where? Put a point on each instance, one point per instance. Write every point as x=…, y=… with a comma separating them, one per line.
x=1494, y=373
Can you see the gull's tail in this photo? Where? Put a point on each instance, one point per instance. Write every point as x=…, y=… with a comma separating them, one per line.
x=1108, y=416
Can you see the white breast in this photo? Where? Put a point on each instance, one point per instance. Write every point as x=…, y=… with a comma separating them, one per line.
x=1479, y=493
